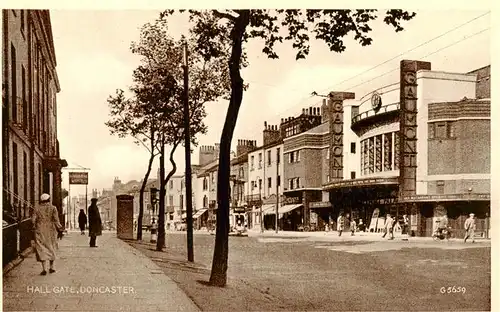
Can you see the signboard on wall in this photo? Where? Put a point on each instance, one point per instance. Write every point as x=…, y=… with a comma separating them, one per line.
x=408, y=126
x=79, y=178
x=336, y=122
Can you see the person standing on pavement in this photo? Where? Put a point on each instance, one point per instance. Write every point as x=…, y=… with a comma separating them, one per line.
x=340, y=224
x=389, y=226
x=82, y=221
x=353, y=226
x=95, y=225
x=470, y=226
x=47, y=228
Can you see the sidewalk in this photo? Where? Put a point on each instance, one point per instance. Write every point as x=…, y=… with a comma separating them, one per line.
x=112, y=277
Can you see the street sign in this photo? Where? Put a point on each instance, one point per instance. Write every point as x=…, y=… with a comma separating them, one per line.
x=79, y=178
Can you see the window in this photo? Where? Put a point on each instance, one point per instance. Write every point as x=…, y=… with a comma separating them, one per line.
x=353, y=147
x=278, y=181
x=171, y=216
x=278, y=155
x=439, y=187
x=450, y=129
x=23, y=97
x=353, y=175
x=432, y=130
x=298, y=183
x=181, y=201
x=291, y=157
x=171, y=184
x=15, y=169
x=260, y=160
x=269, y=158
x=205, y=184
x=260, y=184
x=269, y=185
x=242, y=173
x=294, y=157
x=298, y=156
x=441, y=130
x=252, y=158
x=25, y=175
x=171, y=200
x=205, y=201
x=13, y=76
x=290, y=184
x=22, y=22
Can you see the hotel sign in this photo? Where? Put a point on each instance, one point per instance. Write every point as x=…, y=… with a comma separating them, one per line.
x=79, y=178
x=408, y=126
x=336, y=111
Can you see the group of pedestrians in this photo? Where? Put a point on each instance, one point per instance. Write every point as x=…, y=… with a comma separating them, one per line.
x=390, y=223
x=47, y=229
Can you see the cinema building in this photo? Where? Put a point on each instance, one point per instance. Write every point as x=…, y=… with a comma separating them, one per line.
x=420, y=147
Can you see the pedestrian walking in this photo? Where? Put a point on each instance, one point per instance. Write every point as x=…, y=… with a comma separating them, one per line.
x=470, y=226
x=340, y=224
x=95, y=225
x=353, y=226
x=82, y=221
x=389, y=226
x=47, y=228
x=406, y=227
x=361, y=225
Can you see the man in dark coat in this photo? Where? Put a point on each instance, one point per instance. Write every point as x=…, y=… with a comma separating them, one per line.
x=95, y=225
x=82, y=221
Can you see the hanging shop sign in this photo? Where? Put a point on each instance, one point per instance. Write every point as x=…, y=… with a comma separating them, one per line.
x=79, y=178
x=446, y=197
x=408, y=126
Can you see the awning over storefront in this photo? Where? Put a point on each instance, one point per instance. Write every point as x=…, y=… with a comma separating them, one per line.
x=267, y=209
x=199, y=213
x=361, y=183
x=284, y=209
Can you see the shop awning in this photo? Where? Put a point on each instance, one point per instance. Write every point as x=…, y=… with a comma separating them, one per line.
x=284, y=209
x=199, y=213
x=267, y=209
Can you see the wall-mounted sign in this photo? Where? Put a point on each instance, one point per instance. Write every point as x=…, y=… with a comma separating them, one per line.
x=336, y=112
x=376, y=101
x=446, y=197
x=408, y=126
x=79, y=178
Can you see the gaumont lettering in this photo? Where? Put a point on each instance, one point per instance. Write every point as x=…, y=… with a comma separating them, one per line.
x=336, y=147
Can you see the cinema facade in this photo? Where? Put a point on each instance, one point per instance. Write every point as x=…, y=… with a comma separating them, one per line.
x=424, y=151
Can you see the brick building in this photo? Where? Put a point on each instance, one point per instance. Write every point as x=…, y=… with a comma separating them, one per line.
x=30, y=159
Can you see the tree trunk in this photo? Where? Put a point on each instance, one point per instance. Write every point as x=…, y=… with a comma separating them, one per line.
x=218, y=276
x=141, y=196
x=160, y=243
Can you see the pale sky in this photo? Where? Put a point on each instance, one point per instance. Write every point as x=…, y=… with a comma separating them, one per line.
x=93, y=59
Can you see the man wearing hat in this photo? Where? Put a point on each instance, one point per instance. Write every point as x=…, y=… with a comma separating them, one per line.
x=95, y=225
x=470, y=226
x=46, y=226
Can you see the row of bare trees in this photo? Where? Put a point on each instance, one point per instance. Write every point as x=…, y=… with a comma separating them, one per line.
x=216, y=40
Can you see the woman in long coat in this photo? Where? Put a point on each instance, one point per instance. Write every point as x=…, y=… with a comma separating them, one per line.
x=82, y=221
x=95, y=224
x=46, y=225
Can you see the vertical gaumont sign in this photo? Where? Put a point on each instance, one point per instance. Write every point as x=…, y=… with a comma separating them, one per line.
x=79, y=178
x=336, y=107
x=408, y=126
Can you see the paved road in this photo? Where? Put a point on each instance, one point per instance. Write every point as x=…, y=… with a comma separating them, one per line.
x=287, y=273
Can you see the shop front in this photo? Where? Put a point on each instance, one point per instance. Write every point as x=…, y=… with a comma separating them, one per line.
x=430, y=210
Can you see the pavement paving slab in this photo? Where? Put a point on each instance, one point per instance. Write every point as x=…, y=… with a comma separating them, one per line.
x=112, y=277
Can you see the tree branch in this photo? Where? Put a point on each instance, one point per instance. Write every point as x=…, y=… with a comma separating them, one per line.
x=224, y=15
